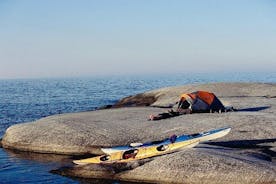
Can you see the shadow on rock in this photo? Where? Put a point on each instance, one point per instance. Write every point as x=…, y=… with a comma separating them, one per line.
x=255, y=143
x=262, y=147
x=253, y=109
x=99, y=171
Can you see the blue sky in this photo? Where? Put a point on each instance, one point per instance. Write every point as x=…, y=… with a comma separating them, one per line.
x=86, y=38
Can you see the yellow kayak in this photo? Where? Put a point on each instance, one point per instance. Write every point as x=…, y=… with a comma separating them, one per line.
x=139, y=153
x=201, y=137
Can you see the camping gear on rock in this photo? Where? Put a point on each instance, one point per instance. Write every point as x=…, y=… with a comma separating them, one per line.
x=200, y=101
x=164, y=115
x=196, y=102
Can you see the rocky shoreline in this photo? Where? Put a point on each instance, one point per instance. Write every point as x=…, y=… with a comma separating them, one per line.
x=246, y=155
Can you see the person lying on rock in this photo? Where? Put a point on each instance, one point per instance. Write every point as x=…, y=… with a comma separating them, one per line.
x=196, y=102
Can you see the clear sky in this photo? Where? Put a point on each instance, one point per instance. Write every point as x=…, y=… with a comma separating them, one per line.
x=64, y=38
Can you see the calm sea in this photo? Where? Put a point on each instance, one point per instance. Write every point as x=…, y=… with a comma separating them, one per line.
x=27, y=100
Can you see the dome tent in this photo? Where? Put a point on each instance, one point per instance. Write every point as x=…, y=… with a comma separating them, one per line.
x=200, y=101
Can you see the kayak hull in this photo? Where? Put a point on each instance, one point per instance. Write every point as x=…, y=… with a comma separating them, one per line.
x=147, y=150
x=138, y=153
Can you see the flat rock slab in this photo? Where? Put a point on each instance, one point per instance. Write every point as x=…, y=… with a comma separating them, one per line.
x=245, y=155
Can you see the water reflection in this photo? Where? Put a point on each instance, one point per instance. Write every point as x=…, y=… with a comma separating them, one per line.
x=28, y=167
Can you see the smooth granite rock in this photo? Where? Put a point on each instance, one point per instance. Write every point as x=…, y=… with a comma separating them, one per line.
x=203, y=164
x=246, y=155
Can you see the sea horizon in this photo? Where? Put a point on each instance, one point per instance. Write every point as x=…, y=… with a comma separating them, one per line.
x=223, y=74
